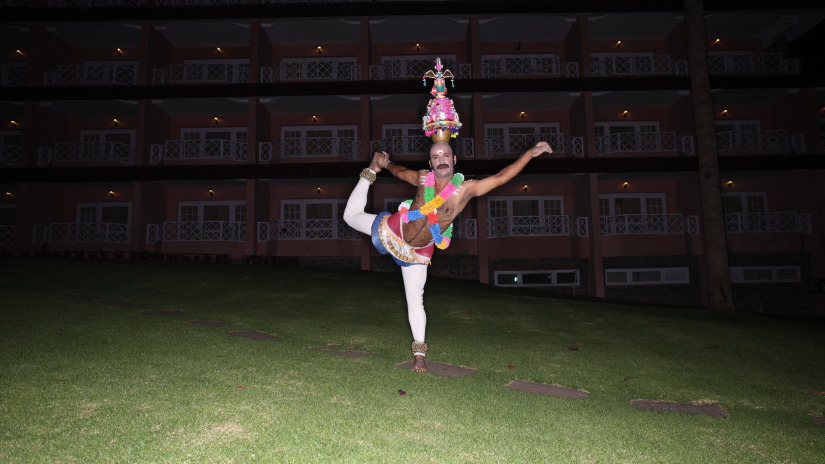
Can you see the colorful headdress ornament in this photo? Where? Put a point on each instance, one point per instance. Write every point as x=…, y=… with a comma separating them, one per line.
x=441, y=121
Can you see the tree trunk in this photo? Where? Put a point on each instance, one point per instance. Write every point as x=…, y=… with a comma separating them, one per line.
x=720, y=295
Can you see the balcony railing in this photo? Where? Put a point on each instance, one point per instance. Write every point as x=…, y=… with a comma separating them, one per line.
x=519, y=143
x=12, y=76
x=199, y=150
x=636, y=224
x=82, y=232
x=310, y=147
x=10, y=154
x=752, y=63
x=234, y=73
x=779, y=221
x=310, y=69
x=93, y=74
x=607, y=66
x=203, y=231
x=643, y=142
x=406, y=68
x=527, y=66
x=92, y=3
x=81, y=152
x=7, y=235
x=306, y=229
x=526, y=226
x=756, y=140
x=463, y=147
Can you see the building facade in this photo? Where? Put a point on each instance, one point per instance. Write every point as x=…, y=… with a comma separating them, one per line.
x=234, y=132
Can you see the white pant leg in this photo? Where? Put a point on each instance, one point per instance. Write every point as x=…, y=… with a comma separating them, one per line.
x=415, y=277
x=354, y=214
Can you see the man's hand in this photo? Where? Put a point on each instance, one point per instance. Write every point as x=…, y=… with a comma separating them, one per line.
x=379, y=161
x=541, y=147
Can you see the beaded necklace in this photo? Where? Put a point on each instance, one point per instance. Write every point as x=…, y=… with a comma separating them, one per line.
x=430, y=208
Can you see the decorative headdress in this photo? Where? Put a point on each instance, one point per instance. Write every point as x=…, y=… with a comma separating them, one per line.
x=441, y=121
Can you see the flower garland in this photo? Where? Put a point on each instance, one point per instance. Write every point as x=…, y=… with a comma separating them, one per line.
x=430, y=208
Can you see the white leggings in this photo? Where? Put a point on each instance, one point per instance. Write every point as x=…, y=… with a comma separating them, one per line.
x=415, y=276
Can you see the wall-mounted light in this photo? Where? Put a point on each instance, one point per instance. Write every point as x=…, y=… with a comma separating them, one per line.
x=625, y=114
x=13, y=124
x=112, y=193
x=318, y=189
x=319, y=49
x=9, y=195
x=525, y=187
x=115, y=122
x=729, y=184
x=19, y=53
x=724, y=113
x=518, y=45
x=418, y=47
x=314, y=118
x=211, y=192
x=618, y=44
x=216, y=120
x=716, y=42
x=119, y=51
x=521, y=115
x=625, y=185
x=218, y=50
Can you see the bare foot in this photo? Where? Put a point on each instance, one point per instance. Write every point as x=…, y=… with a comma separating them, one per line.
x=418, y=364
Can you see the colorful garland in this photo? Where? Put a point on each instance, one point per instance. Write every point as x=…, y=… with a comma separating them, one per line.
x=430, y=208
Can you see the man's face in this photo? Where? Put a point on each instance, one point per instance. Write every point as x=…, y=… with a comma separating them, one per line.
x=442, y=161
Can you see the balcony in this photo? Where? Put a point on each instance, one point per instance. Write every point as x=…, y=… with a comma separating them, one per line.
x=93, y=3
x=196, y=231
x=310, y=147
x=7, y=235
x=12, y=76
x=84, y=152
x=82, y=232
x=532, y=226
x=641, y=224
x=188, y=150
x=519, y=143
x=644, y=142
x=751, y=63
x=645, y=65
x=10, y=154
x=527, y=66
x=420, y=145
x=312, y=69
x=760, y=140
x=213, y=72
x=415, y=67
x=778, y=221
x=306, y=229
x=92, y=74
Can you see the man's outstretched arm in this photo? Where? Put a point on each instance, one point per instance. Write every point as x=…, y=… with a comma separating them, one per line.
x=409, y=176
x=481, y=187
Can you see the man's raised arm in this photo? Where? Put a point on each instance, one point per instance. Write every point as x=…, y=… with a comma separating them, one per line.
x=482, y=186
x=409, y=176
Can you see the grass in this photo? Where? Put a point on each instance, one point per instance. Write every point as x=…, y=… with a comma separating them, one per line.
x=83, y=379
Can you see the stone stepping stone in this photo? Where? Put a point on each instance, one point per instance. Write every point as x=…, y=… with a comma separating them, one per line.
x=351, y=353
x=160, y=312
x=210, y=323
x=254, y=334
x=713, y=410
x=442, y=370
x=546, y=389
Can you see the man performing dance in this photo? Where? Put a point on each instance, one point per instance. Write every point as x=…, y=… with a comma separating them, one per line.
x=425, y=221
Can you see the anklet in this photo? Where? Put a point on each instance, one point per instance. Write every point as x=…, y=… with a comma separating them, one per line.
x=420, y=348
x=368, y=174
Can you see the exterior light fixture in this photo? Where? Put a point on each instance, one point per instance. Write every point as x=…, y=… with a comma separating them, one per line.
x=218, y=50
x=625, y=185
x=716, y=42
x=418, y=47
x=724, y=113
x=112, y=193
x=115, y=122
x=216, y=120
x=729, y=184
x=618, y=44
x=9, y=195
x=211, y=192
x=119, y=51
x=13, y=124
x=525, y=187
x=521, y=115
x=625, y=113
x=19, y=53
x=314, y=118
x=319, y=49
x=318, y=189
x=518, y=45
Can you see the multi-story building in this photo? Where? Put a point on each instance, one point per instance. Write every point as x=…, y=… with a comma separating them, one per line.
x=228, y=131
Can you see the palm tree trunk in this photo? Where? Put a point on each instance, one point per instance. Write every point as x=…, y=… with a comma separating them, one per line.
x=720, y=295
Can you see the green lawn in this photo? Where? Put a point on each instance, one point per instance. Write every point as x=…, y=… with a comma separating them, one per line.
x=86, y=377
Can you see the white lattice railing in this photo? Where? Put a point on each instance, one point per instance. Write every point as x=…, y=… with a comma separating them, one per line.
x=7, y=235
x=237, y=73
x=10, y=154
x=12, y=76
x=82, y=232
x=200, y=2
x=633, y=224
x=92, y=3
x=526, y=66
x=582, y=226
x=758, y=140
x=520, y=143
x=465, y=229
x=199, y=150
x=779, y=221
x=306, y=229
x=310, y=147
x=638, y=142
x=520, y=226
x=406, y=68
x=203, y=231
x=308, y=69
x=77, y=152
x=93, y=74
x=752, y=63
x=606, y=66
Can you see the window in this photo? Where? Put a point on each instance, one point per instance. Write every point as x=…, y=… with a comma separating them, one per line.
x=214, y=70
x=633, y=214
x=516, y=138
x=746, y=211
x=104, y=222
x=647, y=276
x=616, y=136
x=524, y=216
x=405, y=139
x=765, y=274
x=314, y=220
x=608, y=64
x=738, y=135
x=414, y=65
x=325, y=141
x=554, y=278
x=224, y=142
x=211, y=221
x=113, y=145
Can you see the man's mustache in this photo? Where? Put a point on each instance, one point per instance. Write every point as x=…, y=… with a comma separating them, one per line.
x=442, y=166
